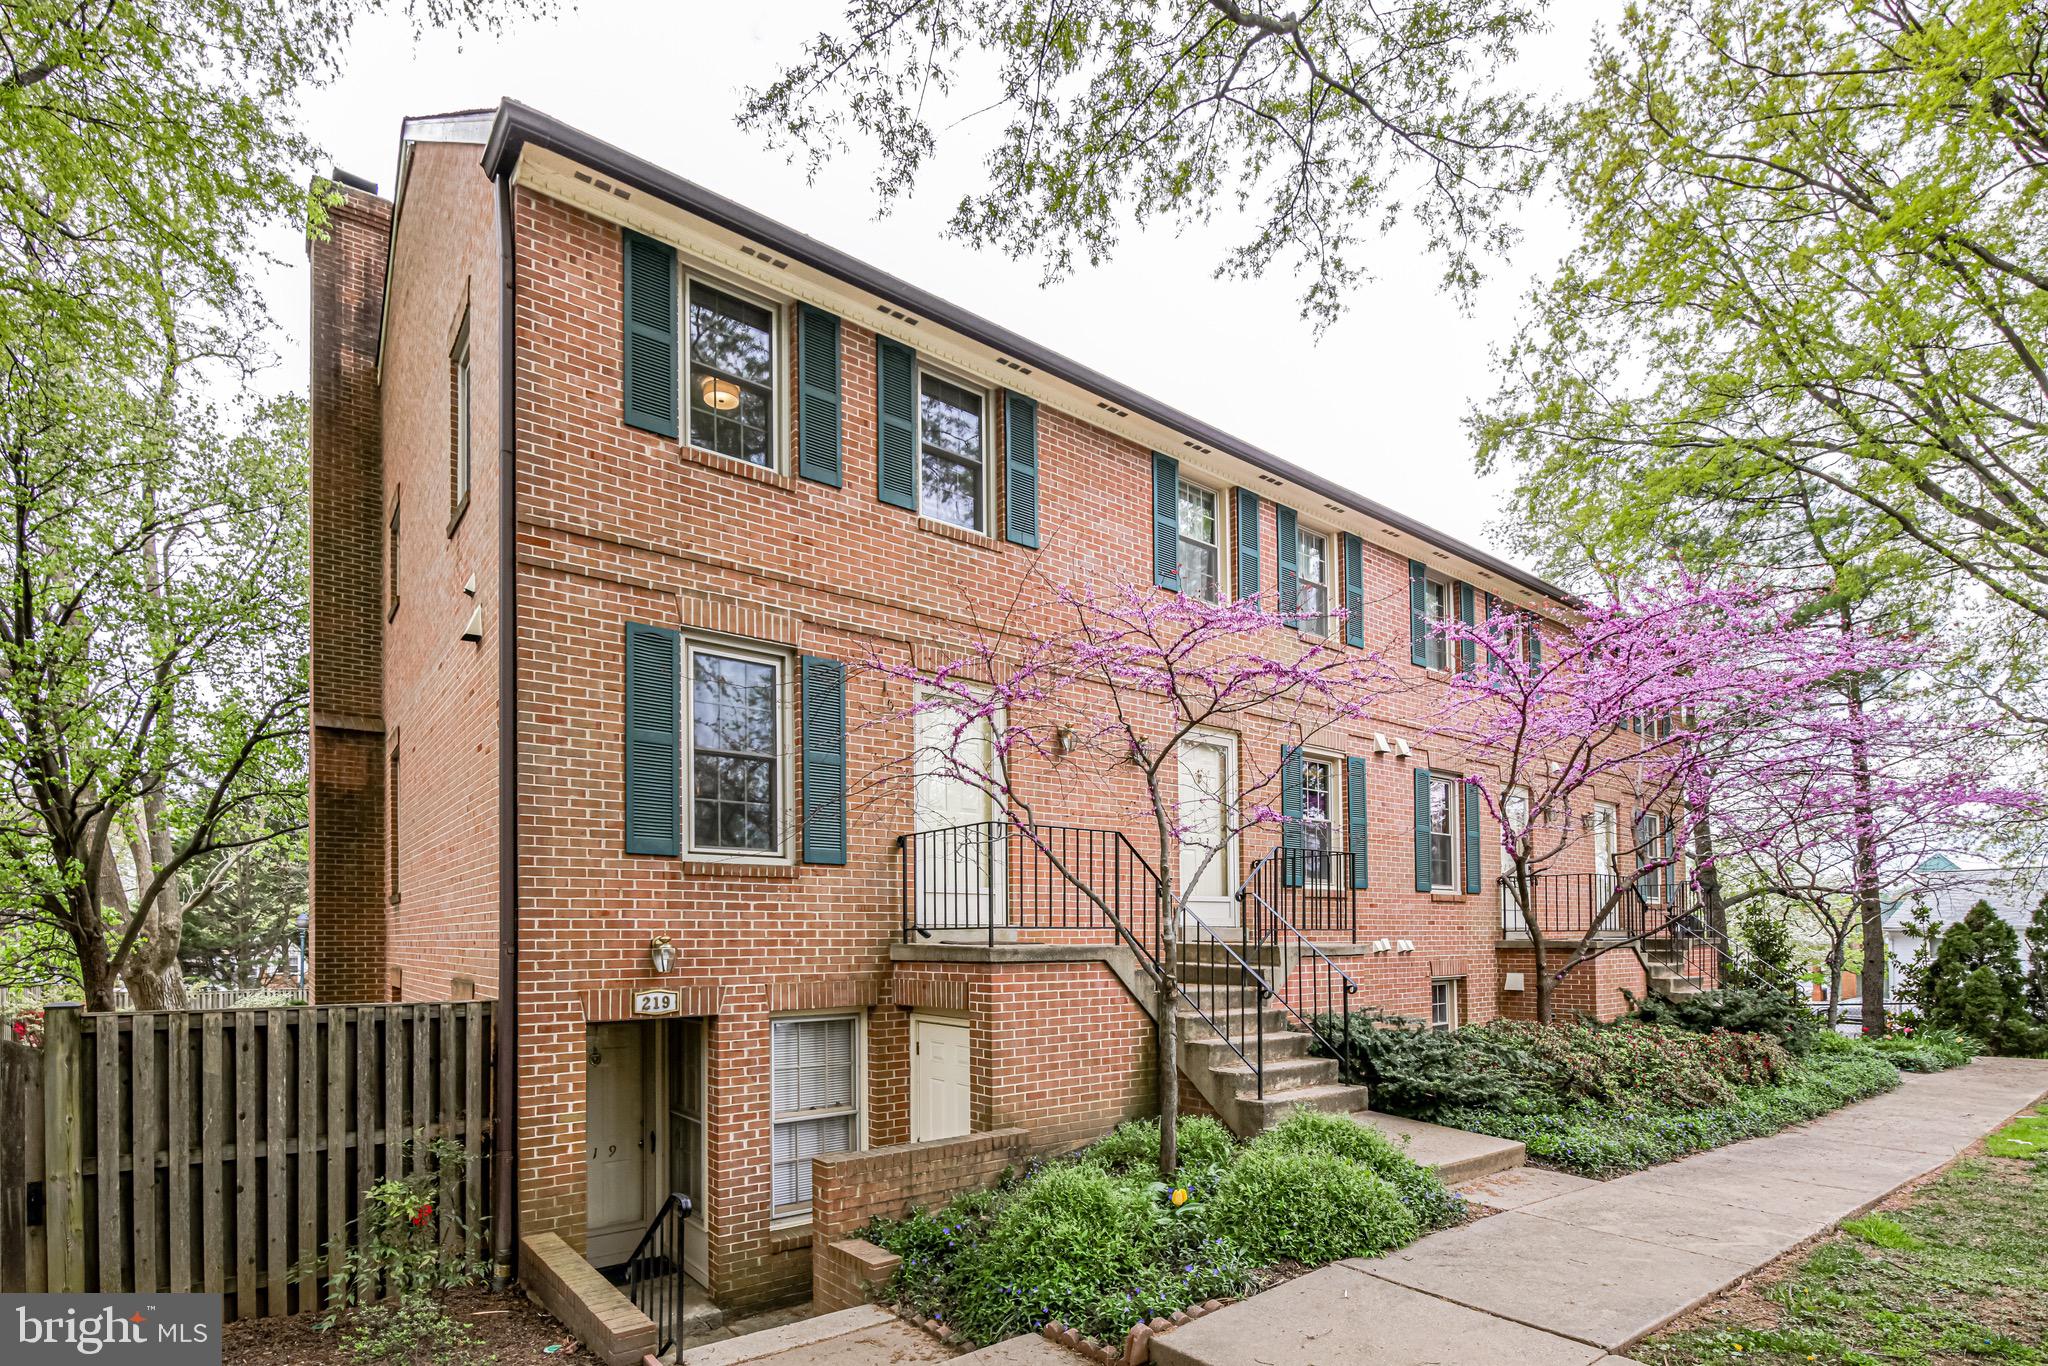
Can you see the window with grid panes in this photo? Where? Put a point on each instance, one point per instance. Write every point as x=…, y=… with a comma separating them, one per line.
x=817, y=1111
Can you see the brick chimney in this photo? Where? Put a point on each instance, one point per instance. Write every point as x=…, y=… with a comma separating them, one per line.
x=346, y=840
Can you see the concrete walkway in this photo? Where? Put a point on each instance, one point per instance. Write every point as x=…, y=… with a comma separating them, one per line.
x=1574, y=1274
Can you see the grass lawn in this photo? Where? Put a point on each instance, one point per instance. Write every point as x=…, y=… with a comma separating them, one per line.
x=1955, y=1270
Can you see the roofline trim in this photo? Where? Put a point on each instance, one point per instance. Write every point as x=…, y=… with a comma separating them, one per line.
x=519, y=124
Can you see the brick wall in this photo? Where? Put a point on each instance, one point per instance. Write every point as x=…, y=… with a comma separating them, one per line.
x=850, y=1189
x=346, y=771
x=1592, y=989
x=617, y=525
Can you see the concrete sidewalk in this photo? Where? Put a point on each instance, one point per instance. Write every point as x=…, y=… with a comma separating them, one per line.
x=1572, y=1278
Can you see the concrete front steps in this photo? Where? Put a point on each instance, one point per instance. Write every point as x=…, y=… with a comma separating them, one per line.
x=1664, y=970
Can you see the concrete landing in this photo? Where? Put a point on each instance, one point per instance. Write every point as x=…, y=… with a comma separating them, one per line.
x=1457, y=1155
x=866, y=1336
x=1522, y=1186
x=1587, y=1270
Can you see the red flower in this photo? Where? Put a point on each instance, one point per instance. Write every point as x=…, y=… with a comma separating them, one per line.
x=420, y=1215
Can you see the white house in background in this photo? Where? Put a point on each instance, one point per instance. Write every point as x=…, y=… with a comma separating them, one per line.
x=1948, y=892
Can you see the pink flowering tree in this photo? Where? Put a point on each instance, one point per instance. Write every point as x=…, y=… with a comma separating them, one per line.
x=1084, y=700
x=1638, y=702
x=1837, y=803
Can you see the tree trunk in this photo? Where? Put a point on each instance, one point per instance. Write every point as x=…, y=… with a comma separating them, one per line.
x=1835, y=955
x=156, y=979
x=1526, y=895
x=1870, y=905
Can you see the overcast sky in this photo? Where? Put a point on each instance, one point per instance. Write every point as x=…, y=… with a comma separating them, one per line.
x=1376, y=402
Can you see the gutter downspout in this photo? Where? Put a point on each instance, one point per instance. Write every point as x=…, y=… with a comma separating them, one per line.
x=505, y=1135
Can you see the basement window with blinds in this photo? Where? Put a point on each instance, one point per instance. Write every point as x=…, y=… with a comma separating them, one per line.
x=817, y=1111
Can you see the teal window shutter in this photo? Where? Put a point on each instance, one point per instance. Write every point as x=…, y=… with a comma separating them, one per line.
x=1646, y=883
x=649, y=368
x=1165, y=521
x=653, y=740
x=1247, y=528
x=1532, y=644
x=1354, y=593
x=1286, y=553
x=1670, y=865
x=1358, y=828
x=1293, y=841
x=822, y=694
x=1424, y=863
x=1468, y=649
x=1418, y=618
x=1492, y=613
x=818, y=406
x=1020, y=470
x=896, y=423
x=1472, y=870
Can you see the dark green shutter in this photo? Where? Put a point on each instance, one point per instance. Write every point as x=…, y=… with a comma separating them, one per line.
x=1468, y=649
x=1471, y=840
x=1358, y=826
x=653, y=740
x=1293, y=841
x=1354, y=592
x=1165, y=521
x=1020, y=465
x=1424, y=864
x=1646, y=883
x=896, y=423
x=1247, y=528
x=1532, y=644
x=818, y=408
x=1418, y=620
x=1492, y=612
x=1286, y=575
x=1670, y=864
x=649, y=365
x=823, y=718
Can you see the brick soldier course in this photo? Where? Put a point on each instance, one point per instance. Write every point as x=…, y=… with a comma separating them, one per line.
x=621, y=522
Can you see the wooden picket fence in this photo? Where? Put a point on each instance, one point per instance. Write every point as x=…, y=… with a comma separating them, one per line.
x=223, y=1151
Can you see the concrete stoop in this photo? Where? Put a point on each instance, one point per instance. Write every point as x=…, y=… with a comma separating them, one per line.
x=1455, y=1155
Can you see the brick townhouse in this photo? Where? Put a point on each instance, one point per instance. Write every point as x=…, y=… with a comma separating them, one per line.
x=585, y=723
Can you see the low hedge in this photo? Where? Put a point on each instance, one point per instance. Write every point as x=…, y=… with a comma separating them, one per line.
x=1600, y=1140
x=1099, y=1242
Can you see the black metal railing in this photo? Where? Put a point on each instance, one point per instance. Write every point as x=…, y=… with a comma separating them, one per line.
x=1002, y=875
x=1312, y=988
x=1220, y=985
x=1566, y=905
x=654, y=1273
x=1312, y=890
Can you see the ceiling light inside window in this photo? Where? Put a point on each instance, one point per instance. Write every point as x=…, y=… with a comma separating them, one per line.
x=720, y=395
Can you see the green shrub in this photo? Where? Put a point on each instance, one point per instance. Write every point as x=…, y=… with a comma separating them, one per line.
x=1931, y=1049
x=1601, y=1140
x=1638, y=1065
x=1132, y=1148
x=1307, y=1206
x=1737, y=1010
x=1414, y=1070
x=1342, y=1136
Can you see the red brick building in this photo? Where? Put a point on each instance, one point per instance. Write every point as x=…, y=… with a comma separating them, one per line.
x=612, y=481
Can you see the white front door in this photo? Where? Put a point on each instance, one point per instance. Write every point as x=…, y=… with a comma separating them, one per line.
x=1605, y=821
x=615, y=1194
x=959, y=831
x=941, y=1079
x=1205, y=862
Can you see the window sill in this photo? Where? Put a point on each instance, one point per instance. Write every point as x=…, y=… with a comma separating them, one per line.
x=791, y=1233
x=956, y=533
x=455, y=517
x=1449, y=894
x=727, y=464
x=710, y=867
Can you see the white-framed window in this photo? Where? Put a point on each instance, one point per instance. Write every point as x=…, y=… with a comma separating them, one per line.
x=1443, y=1004
x=1651, y=850
x=737, y=773
x=460, y=397
x=1312, y=580
x=952, y=450
x=1443, y=831
x=816, y=1079
x=734, y=363
x=1320, y=795
x=1201, y=539
x=1437, y=606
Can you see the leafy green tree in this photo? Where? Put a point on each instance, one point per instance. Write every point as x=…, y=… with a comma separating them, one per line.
x=1810, y=257
x=1320, y=122
x=1974, y=984
x=2037, y=961
x=242, y=933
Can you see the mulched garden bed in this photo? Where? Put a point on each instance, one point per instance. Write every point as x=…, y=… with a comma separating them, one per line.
x=514, y=1330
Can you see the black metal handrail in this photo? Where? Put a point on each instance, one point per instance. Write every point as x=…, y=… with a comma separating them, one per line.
x=1313, y=890
x=1236, y=1008
x=1566, y=905
x=654, y=1273
x=1314, y=987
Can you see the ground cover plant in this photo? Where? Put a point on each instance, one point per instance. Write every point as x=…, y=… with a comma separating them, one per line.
x=1099, y=1241
x=1956, y=1270
x=1603, y=1099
